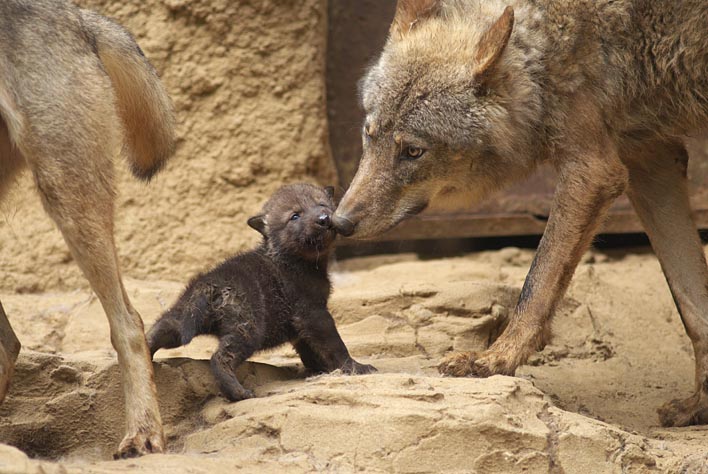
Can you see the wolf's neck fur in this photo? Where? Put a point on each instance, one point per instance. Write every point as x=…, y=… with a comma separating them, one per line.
x=641, y=61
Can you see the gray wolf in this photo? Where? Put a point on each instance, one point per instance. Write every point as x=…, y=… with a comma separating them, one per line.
x=274, y=294
x=74, y=88
x=470, y=95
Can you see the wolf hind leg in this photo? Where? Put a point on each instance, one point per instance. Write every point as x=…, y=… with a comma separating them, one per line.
x=72, y=164
x=658, y=192
x=9, y=349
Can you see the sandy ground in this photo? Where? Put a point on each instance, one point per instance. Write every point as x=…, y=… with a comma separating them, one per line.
x=585, y=404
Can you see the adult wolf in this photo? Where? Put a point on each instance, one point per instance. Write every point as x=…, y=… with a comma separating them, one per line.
x=74, y=86
x=469, y=95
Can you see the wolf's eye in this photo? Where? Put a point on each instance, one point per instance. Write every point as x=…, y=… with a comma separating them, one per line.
x=412, y=152
x=368, y=129
x=295, y=216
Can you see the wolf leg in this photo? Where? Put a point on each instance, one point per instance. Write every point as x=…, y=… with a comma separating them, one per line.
x=590, y=179
x=658, y=191
x=70, y=152
x=9, y=349
x=233, y=351
x=11, y=161
x=321, y=348
x=82, y=206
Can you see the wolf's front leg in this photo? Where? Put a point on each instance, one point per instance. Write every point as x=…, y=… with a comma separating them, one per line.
x=321, y=348
x=587, y=186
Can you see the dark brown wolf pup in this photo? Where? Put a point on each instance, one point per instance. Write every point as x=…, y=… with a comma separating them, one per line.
x=274, y=294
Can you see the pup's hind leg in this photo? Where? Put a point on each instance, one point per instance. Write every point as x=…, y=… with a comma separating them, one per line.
x=659, y=194
x=178, y=326
x=71, y=159
x=233, y=351
x=165, y=334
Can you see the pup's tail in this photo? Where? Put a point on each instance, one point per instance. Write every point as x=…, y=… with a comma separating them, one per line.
x=143, y=105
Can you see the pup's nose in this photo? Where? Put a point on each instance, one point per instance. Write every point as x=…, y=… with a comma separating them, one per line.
x=323, y=220
x=343, y=225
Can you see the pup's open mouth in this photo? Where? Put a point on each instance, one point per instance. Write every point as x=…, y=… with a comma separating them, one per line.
x=321, y=240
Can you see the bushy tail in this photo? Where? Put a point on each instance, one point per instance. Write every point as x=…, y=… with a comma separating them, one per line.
x=143, y=104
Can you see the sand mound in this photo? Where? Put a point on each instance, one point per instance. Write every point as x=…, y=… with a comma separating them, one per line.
x=586, y=404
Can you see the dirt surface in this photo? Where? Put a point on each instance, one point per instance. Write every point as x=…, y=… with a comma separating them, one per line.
x=247, y=81
x=585, y=404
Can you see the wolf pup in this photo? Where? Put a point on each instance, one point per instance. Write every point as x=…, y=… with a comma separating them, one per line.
x=470, y=95
x=75, y=88
x=274, y=294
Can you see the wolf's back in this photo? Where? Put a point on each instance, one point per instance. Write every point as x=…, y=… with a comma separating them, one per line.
x=143, y=104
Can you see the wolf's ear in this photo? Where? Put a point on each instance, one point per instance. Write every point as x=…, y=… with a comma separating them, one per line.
x=329, y=191
x=493, y=42
x=410, y=12
x=258, y=223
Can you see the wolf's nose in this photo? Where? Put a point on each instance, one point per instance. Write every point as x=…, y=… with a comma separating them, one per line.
x=323, y=220
x=343, y=225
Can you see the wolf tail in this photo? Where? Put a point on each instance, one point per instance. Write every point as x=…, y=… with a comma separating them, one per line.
x=143, y=104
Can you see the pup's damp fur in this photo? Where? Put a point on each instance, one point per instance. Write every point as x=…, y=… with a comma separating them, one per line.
x=470, y=95
x=274, y=294
x=75, y=88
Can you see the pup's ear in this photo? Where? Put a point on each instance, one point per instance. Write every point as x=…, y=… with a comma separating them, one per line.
x=329, y=191
x=258, y=223
x=493, y=42
x=409, y=13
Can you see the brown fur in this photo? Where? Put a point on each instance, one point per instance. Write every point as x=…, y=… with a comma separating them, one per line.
x=274, y=294
x=475, y=94
x=74, y=87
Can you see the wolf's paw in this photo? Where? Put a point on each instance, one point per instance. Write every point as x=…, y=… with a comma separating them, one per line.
x=473, y=364
x=689, y=411
x=459, y=364
x=141, y=443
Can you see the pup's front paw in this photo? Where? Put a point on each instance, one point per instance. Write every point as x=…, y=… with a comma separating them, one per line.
x=236, y=395
x=353, y=367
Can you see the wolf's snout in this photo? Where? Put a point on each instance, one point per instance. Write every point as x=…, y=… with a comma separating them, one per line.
x=323, y=220
x=343, y=225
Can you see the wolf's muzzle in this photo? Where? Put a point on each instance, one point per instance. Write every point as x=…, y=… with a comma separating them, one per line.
x=343, y=225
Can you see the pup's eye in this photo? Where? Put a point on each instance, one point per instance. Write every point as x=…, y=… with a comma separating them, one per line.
x=295, y=216
x=412, y=152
